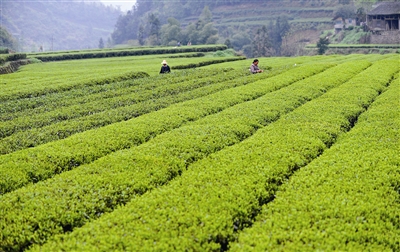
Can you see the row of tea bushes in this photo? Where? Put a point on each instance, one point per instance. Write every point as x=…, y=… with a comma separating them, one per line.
x=11, y=57
x=141, y=90
x=107, y=182
x=128, y=52
x=32, y=165
x=39, y=90
x=204, y=209
x=85, y=73
x=81, y=94
x=60, y=130
x=347, y=199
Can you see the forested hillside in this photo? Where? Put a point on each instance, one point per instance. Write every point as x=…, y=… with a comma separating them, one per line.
x=57, y=24
x=255, y=27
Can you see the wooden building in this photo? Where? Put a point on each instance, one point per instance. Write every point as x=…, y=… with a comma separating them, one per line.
x=384, y=17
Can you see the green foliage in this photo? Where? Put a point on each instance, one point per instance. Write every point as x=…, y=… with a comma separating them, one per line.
x=322, y=45
x=7, y=41
x=9, y=63
x=126, y=28
x=101, y=43
x=278, y=32
x=236, y=17
x=154, y=27
x=228, y=43
x=347, y=199
x=217, y=197
x=32, y=127
x=240, y=39
x=4, y=50
x=206, y=15
x=225, y=53
x=197, y=139
x=262, y=45
x=213, y=159
x=352, y=36
x=209, y=62
x=123, y=52
x=171, y=32
x=344, y=12
x=203, y=31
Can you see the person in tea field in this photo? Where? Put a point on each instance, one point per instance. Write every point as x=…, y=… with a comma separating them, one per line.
x=254, y=67
x=165, y=68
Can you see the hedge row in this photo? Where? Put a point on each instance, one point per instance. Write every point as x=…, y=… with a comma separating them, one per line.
x=141, y=90
x=63, y=129
x=358, y=46
x=155, y=162
x=206, y=63
x=135, y=52
x=36, y=164
x=347, y=199
x=368, y=57
x=215, y=198
x=12, y=66
x=44, y=90
x=4, y=50
x=187, y=55
x=27, y=90
x=12, y=57
x=82, y=94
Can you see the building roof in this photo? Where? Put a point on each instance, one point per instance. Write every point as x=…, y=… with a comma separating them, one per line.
x=386, y=8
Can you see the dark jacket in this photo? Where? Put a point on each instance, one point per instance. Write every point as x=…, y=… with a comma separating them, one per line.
x=165, y=69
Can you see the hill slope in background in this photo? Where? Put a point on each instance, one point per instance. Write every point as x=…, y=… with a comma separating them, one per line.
x=237, y=20
x=58, y=25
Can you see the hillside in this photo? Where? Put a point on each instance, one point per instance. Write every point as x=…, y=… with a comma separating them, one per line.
x=58, y=25
x=237, y=20
x=289, y=24
x=306, y=20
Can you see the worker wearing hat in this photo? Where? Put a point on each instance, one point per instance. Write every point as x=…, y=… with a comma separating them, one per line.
x=165, y=68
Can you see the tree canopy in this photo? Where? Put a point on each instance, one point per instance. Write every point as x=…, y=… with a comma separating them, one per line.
x=7, y=40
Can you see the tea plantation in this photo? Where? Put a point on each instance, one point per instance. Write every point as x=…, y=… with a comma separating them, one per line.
x=106, y=154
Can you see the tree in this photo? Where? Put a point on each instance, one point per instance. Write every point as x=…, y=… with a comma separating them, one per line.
x=279, y=31
x=203, y=31
x=206, y=16
x=154, y=30
x=361, y=15
x=141, y=35
x=6, y=40
x=191, y=34
x=171, y=32
x=344, y=12
x=208, y=34
x=240, y=39
x=261, y=44
x=109, y=43
x=228, y=43
x=101, y=43
x=125, y=28
x=322, y=45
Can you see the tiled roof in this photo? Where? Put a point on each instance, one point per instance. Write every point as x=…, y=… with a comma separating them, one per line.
x=386, y=8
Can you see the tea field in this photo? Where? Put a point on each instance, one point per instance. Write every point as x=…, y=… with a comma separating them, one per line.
x=105, y=154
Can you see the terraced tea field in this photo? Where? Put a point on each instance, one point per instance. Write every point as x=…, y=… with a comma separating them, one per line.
x=108, y=155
